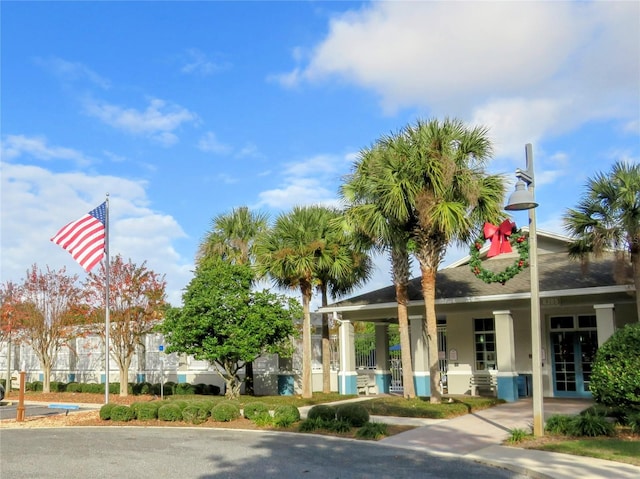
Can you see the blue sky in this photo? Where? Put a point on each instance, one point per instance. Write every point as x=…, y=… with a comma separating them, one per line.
x=185, y=110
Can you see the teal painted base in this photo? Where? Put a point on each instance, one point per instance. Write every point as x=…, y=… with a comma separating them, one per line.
x=508, y=388
x=71, y=378
x=285, y=384
x=182, y=378
x=102, y=378
x=422, y=385
x=140, y=378
x=383, y=382
x=348, y=383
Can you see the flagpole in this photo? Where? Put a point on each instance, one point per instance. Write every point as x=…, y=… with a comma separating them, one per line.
x=106, y=315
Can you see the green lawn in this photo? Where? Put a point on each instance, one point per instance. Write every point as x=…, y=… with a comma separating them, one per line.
x=609, y=448
x=421, y=407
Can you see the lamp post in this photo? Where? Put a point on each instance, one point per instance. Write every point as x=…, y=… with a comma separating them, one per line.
x=524, y=199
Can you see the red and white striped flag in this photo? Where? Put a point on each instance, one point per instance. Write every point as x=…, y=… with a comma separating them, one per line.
x=84, y=239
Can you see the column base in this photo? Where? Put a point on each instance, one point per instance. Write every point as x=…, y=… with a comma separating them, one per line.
x=383, y=381
x=508, y=387
x=422, y=382
x=348, y=382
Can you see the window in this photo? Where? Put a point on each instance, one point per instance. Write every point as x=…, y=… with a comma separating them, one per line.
x=485, y=343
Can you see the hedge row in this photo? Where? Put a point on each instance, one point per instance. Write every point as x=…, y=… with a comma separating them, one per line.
x=199, y=411
x=170, y=388
x=342, y=419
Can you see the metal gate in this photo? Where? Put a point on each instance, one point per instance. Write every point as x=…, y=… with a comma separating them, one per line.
x=395, y=361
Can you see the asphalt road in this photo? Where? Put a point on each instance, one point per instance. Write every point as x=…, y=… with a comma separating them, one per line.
x=9, y=411
x=167, y=453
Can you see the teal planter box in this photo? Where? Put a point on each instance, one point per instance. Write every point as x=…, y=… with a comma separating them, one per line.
x=285, y=384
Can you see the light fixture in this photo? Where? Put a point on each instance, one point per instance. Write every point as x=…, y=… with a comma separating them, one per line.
x=521, y=198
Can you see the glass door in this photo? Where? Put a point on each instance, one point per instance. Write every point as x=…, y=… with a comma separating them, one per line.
x=573, y=348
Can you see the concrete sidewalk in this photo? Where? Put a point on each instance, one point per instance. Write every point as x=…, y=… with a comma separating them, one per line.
x=479, y=436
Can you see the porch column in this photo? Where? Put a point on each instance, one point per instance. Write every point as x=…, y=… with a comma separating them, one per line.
x=507, y=378
x=421, y=375
x=605, y=321
x=382, y=373
x=347, y=377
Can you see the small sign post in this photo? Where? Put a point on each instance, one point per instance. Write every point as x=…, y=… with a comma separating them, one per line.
x=161, y=349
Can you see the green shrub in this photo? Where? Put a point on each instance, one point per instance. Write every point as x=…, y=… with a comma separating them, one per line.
x=57, y=387
x=354, y=413
x=372, y=430
x=35, y=386
x=122, y=413
x=169, y=412
x=184, y=389
x=518, y=435
x=181, y=404
x=195, y=414
x=74, y=388
x=558, y=424
x=633, y=421
x=142, y=388
x=93, y=388
x=253, y=409
x=339, y=426
x=590, y=425
x=312, y=424
x=263, y=419
x=225, y=412
x=614, y=378
x=105, y=411
x=146, y=411
x=322, y=411
x=285, y=415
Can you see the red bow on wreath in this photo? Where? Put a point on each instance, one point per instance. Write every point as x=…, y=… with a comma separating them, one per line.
x=499, y=236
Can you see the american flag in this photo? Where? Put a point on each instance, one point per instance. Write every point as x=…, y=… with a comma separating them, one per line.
x=84, y=239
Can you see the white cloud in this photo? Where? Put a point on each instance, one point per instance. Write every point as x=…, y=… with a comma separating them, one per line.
x=37, y=202
x=311, y=181
x=158, y=121
x=525, y=69
x=209, y=143
x=71, y=72
x=197, y=62
x=15, y=146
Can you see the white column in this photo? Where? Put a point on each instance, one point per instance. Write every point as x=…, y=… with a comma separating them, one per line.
x=505, y=356
x=382, y=374
x=605, y=320
x=347, y=382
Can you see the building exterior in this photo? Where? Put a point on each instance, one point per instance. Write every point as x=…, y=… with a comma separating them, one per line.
x=484, y=336
x=485, y=331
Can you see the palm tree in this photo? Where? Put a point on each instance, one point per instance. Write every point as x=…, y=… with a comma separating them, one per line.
x=445, y=161
x=608, y=217
x=232, y=237
x=347, y=266
x=296, y=253
x=377, y=208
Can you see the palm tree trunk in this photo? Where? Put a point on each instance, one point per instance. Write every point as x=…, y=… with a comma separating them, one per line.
x=307, y=390
x=431, y=328
x=326, y=346
x=635, y=262
x=408, y=386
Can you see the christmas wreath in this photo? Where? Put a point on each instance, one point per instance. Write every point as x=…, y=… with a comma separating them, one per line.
x=503, y=238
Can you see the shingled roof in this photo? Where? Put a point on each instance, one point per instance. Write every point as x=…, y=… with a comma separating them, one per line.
x=556, y=272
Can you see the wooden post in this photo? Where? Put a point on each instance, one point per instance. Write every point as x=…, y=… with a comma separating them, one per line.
x=20, y=409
